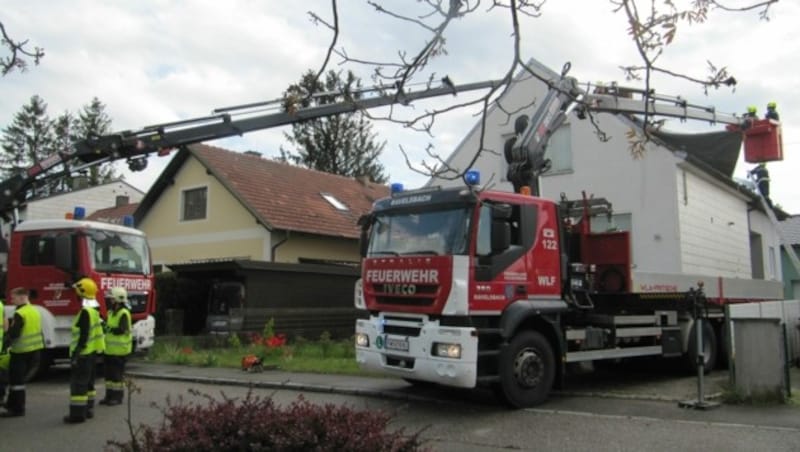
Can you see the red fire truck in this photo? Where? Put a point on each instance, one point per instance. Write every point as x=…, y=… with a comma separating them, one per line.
x=467, y=287
x=46, y=256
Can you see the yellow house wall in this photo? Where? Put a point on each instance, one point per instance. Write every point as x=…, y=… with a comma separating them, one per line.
x=228, y=230
x=315, y=247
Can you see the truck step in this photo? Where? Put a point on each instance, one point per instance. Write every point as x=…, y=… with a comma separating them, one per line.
x=486, y=379
x=613, y=353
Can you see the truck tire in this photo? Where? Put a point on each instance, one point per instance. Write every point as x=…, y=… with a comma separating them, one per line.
x=527, y=370
x=710, y=349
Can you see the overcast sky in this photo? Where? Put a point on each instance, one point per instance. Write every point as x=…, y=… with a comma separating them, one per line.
x=158, y=61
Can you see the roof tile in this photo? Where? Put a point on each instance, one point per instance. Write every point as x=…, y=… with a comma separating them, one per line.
x=290, y=197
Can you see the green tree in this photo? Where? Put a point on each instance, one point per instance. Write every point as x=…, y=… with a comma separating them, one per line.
x=93, y=120
x=27, y=140
x=33, y=136
x=343, y=144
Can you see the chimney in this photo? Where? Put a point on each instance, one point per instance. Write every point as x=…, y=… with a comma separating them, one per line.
x=122, y=200
x=253, y=153
x=364, y=180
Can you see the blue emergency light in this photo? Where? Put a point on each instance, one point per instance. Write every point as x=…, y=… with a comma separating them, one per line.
x=397, y=187
x=473, y=177
x=79, y=213
x=127, y=220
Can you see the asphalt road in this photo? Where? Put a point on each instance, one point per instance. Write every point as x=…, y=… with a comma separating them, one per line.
x=451, y=420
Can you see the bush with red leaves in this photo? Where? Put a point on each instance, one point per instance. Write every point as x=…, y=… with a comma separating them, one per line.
x=258, y=424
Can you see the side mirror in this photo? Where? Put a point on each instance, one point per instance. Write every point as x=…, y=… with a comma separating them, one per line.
x=363, y=239
x=501, y=212
x=64, y=256
x=501, y=236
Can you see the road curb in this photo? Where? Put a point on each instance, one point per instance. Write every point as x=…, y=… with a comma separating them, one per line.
x=295, y=386
x=287, y=385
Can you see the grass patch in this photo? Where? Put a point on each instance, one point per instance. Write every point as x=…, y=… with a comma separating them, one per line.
x=299, y=355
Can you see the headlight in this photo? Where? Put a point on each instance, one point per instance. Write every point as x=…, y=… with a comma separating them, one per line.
x=362, y=340
x=358, y=296
x=447, y=350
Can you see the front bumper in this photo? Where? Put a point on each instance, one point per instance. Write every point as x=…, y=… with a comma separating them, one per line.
x=415, y=359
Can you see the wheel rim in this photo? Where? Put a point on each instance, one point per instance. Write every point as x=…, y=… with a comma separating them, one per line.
x=528, y=368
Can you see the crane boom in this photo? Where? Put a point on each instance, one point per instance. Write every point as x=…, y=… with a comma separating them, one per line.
x=524, y=152
x=136, y=145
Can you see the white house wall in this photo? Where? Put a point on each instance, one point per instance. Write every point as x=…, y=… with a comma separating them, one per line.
x=714, y=227
x=644, y=188
x=770, y=243
x=91, y=199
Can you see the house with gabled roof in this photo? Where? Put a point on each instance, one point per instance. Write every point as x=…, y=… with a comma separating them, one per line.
x=212, y=204
x=686, y=213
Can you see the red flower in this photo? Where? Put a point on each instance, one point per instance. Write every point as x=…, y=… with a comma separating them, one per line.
x=279, y=340
x=187, y=350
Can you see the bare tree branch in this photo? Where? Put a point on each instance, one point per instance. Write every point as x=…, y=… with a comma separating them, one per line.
x=18, y=53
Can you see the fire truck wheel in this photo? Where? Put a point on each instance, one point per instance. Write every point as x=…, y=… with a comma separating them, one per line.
x=527, y=370
x=709, y=349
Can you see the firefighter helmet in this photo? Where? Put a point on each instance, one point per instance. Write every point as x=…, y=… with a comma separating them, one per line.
x=751, y=109
x=772, y=105
x=85, y=288
x=119, y=295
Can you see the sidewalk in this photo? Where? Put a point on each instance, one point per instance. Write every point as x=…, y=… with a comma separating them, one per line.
x=670, y=386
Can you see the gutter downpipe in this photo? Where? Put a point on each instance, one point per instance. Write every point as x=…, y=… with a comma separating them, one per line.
x=274, y=247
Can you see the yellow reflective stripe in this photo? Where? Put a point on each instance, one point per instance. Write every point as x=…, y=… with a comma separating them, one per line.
x=78, y=399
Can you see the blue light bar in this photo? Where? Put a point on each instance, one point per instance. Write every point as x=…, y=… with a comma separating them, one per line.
x=473, y=177
x=127, y=220
x=79, y=213
x=397, y=187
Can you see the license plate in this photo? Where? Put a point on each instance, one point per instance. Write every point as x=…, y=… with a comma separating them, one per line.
x=397, y=344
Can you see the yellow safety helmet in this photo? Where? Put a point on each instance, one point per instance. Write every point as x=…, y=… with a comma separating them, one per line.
x=772, y=105
x=85, y=288
x=751, y=109
x=119, y=295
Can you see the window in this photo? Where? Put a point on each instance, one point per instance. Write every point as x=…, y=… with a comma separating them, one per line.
x=559, y=150
x=773, y=274
x=194, y=204
x=334, y=202
x=38, y=250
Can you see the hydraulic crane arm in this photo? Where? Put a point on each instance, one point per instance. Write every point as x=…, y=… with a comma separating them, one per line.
x=135, y=146
x=525, y=151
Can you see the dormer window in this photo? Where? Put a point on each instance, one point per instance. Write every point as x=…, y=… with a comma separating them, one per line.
x=338, y=205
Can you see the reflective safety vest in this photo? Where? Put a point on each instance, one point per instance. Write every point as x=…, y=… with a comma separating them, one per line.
x=119, y=344
x=96, y=341
x=30, y=338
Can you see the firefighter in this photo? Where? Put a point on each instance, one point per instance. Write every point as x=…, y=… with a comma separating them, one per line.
x=761, y=177
x=119, y=345
x=87, y=342
x=752, y=112
x=25, y=342
x=772, y=112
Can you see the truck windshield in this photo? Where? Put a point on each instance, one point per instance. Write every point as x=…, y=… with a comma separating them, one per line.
x=433, y=232
x=115, y=252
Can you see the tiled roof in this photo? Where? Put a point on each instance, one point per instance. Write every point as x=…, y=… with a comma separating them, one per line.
x=113, y=214
x=790, y=228
x=290, y=197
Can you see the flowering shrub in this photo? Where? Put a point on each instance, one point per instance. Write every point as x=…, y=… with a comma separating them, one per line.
x=257, y=424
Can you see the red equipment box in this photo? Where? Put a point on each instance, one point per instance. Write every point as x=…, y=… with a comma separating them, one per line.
x=763, y=141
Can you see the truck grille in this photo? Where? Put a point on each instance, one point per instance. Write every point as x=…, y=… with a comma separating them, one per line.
x=422, y=295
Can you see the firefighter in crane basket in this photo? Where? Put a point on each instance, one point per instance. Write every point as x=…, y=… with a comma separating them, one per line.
x=772, y=112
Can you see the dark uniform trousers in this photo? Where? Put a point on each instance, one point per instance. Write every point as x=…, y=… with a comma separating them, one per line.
x=18, y=367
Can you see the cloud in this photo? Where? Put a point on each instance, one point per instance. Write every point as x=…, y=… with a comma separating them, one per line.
x=158, y=61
